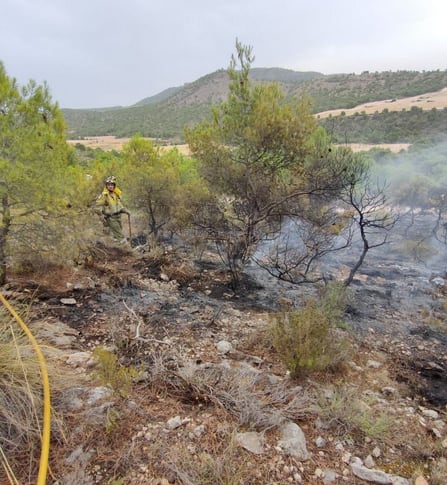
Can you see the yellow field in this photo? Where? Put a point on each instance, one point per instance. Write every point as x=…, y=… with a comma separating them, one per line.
x=113, y=143
x=426, y=101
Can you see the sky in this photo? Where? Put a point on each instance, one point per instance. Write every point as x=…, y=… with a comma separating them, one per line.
x=102, y=53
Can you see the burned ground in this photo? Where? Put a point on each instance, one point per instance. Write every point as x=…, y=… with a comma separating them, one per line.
x=158, y=313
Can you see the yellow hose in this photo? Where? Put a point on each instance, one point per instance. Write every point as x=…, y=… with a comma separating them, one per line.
x=43, y=465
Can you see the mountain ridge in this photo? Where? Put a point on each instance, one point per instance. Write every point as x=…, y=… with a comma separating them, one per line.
x=165, y=114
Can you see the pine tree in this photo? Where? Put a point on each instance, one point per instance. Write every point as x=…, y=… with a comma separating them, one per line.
x=33, y=162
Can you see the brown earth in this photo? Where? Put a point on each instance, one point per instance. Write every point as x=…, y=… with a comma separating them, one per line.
x=159, y=316
x=112, y=143
x=426, y=101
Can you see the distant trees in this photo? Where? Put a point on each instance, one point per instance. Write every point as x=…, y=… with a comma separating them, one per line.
x=418, y=183
x=166, y=118
x=33, y=165
x=406, y=126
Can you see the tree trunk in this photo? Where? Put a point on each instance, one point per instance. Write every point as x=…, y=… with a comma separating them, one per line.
x=4, y=229
x=357, y=265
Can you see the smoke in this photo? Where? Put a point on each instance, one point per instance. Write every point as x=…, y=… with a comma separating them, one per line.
x=416, y=187
x=414, y=177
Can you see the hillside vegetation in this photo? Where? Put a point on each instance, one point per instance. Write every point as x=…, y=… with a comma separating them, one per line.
x=241, y=324
x=165, y=115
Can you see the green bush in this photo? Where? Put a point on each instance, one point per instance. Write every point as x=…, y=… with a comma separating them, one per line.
x=108, y=371
x=309, y=339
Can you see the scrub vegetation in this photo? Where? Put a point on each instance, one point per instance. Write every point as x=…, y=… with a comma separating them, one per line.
x=264, y=183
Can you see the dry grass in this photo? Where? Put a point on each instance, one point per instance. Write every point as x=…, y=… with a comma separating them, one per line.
x=111, y=142
x=426, y=101
x=21, y=405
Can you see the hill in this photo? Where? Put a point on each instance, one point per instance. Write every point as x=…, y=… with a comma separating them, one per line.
x=164, y=116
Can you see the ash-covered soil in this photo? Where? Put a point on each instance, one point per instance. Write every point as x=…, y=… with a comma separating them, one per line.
x=165, y=314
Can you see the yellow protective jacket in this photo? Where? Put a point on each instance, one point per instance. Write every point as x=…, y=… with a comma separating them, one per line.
x=110, y=202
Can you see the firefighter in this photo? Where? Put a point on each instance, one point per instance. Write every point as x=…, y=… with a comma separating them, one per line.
x=111, y=207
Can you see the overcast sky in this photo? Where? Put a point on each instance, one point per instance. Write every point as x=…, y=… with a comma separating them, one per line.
x=99, y=53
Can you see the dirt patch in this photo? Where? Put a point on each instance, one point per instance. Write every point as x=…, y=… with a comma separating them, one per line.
x=162, y=317
x=110, y=142
x=426, y=101
x=394, y=147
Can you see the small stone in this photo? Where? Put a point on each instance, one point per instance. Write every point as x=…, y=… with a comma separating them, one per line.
x=199, y=430
x=224, y=347
x=430, y=413
x=388, y=390
x=174, y=423
x=320, y=442
x=369, y=461
x=68, y=301
x=297, y=477
x=346, y=458
x=420, y=480
x=376, y=452
x=329, y=477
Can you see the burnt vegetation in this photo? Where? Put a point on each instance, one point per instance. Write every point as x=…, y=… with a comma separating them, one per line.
x=270, y=277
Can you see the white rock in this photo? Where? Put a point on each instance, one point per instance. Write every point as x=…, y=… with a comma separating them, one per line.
x=68, y=301
x=376, y=452
x=293, y=441
x=176, y=422
x=320, y=442
x=251, y=441
x=224, y=347
x=373, y=364
x=430, y=413
x=80, y=359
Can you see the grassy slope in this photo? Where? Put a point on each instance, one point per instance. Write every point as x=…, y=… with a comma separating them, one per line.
x=192, y=102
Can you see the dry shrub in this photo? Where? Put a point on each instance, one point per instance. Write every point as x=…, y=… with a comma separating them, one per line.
x=214, y=460
x=21, y=403
x=350, y=415
x=255, y=400
x=182, y=271
x=439, y=472
x=226, y=465
x=418, y=250
x=49, y=240
x=309, y=339
x=20, y=396
x=161, y=373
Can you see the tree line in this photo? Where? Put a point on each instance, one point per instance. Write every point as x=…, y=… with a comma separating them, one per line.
x=406, y=126
x=192, y=103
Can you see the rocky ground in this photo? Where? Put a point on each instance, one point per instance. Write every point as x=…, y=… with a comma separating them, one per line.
x=211, y=401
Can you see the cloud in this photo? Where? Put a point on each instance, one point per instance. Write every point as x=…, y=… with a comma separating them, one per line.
x=105, y=53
